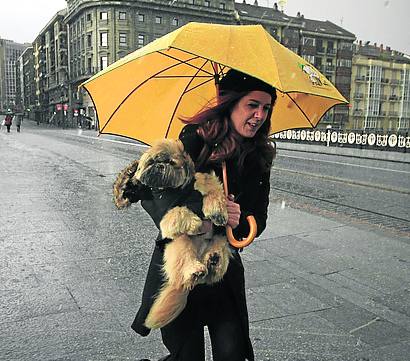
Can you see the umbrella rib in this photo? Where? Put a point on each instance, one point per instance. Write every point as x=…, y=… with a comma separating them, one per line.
x=179, y=76
x=180, y=98
x=197, y=86
x=139, y=85
x=186, y=61
x=301, y=110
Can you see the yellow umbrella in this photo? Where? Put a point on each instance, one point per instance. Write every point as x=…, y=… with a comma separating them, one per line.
x=143, y=95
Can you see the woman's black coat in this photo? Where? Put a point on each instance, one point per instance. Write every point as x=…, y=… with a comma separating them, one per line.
x=251, y=191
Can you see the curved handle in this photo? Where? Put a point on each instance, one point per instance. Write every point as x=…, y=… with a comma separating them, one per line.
x=253, y=228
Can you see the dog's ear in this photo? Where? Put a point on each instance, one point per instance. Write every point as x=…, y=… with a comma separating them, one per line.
x=126, y=190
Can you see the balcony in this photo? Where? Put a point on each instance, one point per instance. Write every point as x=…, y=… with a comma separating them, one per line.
x=360, y=78
x=394, y=98
x=358, y=95
x=331, y=51
x=320, y=50
x=394, y=82
x=358, y=112
x=83, y=74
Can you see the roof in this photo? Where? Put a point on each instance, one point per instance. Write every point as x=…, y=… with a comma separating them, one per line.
x=61, y=13
x=381, y=53
x=263, y=14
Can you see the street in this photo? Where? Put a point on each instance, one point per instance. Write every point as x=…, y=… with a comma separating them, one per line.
x=328, y=280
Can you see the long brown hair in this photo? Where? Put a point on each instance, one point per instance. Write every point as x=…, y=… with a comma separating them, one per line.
x=222, y=141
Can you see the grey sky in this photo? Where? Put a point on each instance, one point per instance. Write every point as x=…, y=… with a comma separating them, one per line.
x=380, y=21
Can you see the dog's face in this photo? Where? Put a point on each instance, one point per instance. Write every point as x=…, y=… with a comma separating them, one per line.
x=165, y=165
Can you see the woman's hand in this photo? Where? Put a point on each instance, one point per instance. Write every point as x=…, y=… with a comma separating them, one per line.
x=234, y=211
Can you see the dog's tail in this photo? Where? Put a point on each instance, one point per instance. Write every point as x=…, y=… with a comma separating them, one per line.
x=120, y=184
x=169, y=303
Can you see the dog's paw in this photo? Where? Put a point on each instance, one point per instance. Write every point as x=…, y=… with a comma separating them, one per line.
x=219, y=219
x=193, y=275
x=178, y=221
x=214, y=209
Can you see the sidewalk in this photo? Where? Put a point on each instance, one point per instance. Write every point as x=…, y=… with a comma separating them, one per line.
x=318, y=289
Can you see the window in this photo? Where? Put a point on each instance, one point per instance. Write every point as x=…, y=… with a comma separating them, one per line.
x=347, y=46
x=141, y=40
x=207, y=3
x=222, y=6
x=122, y=15
x=344, y=62
x=309, y=58
x=103, y=15
x=89, y=40
x=175, y=22
x=104, y=38
x=370, y=123
x=309, y=41
x=103, y=62
x=88, y=17
x=123, y=39
x=141, y=18
x=89, y=65
x=158, y=20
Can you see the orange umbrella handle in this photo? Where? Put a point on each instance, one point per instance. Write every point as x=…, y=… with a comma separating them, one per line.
x=253, y=228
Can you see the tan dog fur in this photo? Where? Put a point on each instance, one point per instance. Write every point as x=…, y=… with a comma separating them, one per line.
x=189, y=259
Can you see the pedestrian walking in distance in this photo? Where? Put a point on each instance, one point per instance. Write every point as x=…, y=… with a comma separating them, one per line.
x=19, y=120
x=8, y=120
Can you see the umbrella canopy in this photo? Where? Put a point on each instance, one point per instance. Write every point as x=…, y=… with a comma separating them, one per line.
x=143, y=95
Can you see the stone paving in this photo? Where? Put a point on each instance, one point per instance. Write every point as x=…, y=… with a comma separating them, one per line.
x=72, y=268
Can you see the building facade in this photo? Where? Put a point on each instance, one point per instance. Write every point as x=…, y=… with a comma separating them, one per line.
x=323, y=44
x=50, y=56
x=27, y=83
x=9, y=54
x=101, y=33
x=380, y=90
x=89, y=35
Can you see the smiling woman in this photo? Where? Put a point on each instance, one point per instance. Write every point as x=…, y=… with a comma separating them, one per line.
x=233, y=130
x=250, y=112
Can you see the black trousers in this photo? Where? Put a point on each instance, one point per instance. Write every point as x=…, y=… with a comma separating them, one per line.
x=211, y=306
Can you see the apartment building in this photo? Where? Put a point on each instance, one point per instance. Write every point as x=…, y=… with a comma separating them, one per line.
x=325, y=45
x=27, y=93
x=99, y=33
x=9, y=54
x=380, y=89
x=89, y=35
x=51, y=69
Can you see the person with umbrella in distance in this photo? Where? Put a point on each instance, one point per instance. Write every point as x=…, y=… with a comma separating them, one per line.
x=234, y=131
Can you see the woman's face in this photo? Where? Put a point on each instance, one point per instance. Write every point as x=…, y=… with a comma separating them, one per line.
x=250, y=112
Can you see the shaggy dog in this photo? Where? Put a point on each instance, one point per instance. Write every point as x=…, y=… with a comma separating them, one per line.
x=191, y=258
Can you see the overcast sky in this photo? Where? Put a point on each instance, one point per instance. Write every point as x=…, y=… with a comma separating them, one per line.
x=378, y=21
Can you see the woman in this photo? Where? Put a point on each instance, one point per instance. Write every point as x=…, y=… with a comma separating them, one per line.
x=236, y=131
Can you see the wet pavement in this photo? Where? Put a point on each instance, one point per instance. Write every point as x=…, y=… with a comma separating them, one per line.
x=72, y=267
